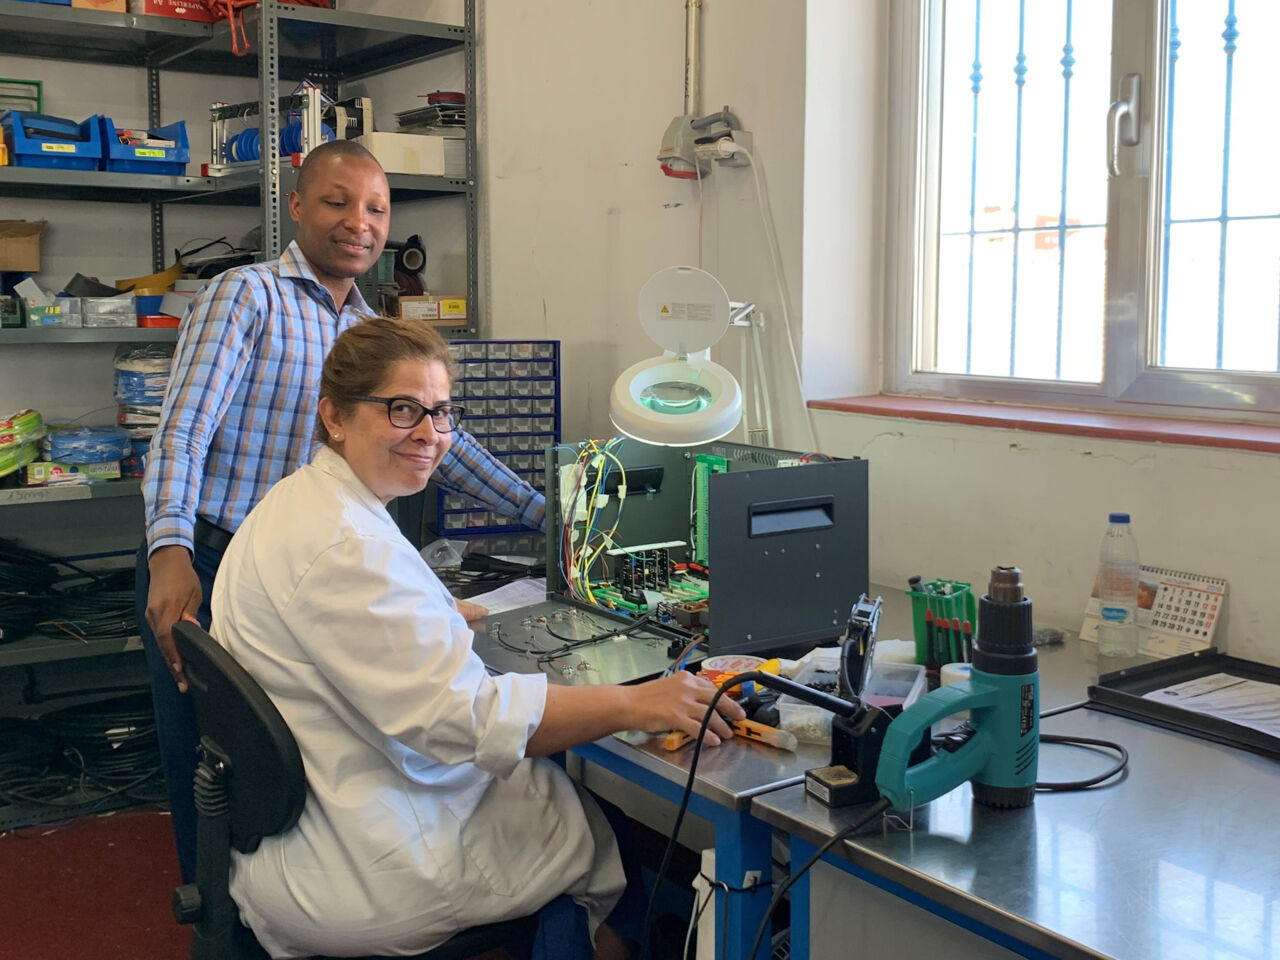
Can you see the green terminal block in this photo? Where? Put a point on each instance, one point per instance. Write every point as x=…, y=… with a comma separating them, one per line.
x=704, y=465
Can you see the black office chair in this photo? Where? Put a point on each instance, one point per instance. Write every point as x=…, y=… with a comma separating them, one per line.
x=250, y=784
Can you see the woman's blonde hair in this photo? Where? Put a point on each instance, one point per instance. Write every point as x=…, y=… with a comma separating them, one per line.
x=363, y=355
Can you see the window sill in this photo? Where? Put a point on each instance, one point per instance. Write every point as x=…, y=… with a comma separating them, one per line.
x=1260, y=438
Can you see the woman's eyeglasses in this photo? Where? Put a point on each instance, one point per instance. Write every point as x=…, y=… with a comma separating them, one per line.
x=406, y=413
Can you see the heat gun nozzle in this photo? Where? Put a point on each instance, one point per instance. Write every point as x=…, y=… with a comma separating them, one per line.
x=1005, y=585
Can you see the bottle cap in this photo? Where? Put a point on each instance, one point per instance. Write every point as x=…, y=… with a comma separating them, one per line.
x=1119, y=518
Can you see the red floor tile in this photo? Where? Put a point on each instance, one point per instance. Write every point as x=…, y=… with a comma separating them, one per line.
x=95, y=889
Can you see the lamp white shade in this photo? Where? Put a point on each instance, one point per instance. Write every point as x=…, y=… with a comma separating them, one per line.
x=675, y=402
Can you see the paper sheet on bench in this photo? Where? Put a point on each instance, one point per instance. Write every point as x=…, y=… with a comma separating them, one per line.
x=1250, y=703
x=518, y=593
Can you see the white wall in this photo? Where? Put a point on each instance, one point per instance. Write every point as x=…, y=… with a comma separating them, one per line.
x=954, y=501
x=844, y=205
x=575, y=98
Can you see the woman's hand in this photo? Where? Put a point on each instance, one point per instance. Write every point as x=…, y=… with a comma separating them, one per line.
x=471, y=611
x=577, y=715
x=679, y=702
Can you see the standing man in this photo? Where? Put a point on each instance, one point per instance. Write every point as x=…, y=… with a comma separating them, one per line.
x=240, y=414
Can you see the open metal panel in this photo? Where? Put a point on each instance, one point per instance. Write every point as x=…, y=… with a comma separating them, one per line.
x=788, y=545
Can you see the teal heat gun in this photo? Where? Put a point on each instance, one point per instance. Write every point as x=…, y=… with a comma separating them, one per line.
x=1000, y=749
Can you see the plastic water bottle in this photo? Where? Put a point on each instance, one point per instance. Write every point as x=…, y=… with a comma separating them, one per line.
x=1118, y=590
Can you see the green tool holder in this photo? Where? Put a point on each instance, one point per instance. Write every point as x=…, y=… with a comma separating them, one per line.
x=960, y=603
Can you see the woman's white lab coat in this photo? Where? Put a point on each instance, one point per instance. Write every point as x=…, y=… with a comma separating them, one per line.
x=422, y=815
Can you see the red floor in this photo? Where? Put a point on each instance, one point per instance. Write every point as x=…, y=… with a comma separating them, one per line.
x=95, y=889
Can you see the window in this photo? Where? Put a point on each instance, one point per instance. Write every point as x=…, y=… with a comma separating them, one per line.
x=1091, y=198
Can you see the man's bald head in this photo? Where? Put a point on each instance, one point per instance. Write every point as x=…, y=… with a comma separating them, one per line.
x=342, y=207
x=327, y=152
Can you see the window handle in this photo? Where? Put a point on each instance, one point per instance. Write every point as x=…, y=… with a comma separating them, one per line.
x=1124, y=121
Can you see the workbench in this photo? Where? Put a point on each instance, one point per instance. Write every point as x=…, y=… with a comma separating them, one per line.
x=1172, y=861
x=1179, y=859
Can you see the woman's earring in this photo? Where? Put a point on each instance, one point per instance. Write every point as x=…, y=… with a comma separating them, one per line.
x=337, y=437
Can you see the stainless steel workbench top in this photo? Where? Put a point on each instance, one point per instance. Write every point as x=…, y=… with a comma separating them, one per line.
x=1179, y=859
x=730, y=774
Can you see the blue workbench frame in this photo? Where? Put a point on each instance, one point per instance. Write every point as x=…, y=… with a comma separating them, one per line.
x=743, y=843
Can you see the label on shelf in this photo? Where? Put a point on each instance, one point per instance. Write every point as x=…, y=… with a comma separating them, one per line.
x=58, y=147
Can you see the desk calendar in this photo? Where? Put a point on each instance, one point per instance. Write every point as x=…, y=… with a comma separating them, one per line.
x=1177, y=612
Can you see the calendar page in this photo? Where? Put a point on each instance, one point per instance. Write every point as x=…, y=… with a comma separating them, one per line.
x=1177, y=612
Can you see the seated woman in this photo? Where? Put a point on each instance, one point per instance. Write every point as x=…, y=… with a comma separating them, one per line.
x=429, y=807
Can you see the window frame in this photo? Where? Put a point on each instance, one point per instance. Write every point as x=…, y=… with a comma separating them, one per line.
x=1132, y=382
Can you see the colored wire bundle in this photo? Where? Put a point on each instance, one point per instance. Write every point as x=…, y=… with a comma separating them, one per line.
x=142, y=375
x=246, y=145
x=35, y=596
x=75, y=443
x=100, y=610
x=26, y=589
x=83, y=756
x=587, y=495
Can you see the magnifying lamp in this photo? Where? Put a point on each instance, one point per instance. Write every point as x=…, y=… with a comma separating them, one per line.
x=682, y=397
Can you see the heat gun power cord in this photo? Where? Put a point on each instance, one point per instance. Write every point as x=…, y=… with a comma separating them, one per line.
x=1087, y=743
x=954, y=739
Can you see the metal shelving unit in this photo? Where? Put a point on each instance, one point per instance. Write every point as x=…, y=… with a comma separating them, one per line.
x=40, y=184
x=22, y=496
x=331, y=47
x=42, y=649
x=88, y=335
x=246, y=189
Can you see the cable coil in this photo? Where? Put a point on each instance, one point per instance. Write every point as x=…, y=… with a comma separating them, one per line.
x=245, y=145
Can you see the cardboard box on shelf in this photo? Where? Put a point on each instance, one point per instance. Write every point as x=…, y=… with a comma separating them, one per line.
x=182, y=9
x=433, y=307
x=43, y=473
x=20, y=245
x=417, y=153
x=114, y=6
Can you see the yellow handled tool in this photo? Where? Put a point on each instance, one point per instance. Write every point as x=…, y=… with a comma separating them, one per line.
x=751, y=730
x=747, y=729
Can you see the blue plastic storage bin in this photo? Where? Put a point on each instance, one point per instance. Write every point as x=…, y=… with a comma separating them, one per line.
x=161, y=161
x=39, y=140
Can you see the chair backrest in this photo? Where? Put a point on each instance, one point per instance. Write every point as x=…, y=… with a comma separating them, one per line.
x=266, y=781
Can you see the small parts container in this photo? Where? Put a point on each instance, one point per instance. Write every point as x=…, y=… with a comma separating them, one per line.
x=143, y=151
x=809, y=723
x=110, y=311
x=39, y=140
x=895, y=686
x=891, y=686
x=952, y=599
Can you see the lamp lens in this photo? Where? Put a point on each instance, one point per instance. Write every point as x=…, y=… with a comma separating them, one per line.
x=675, y=397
